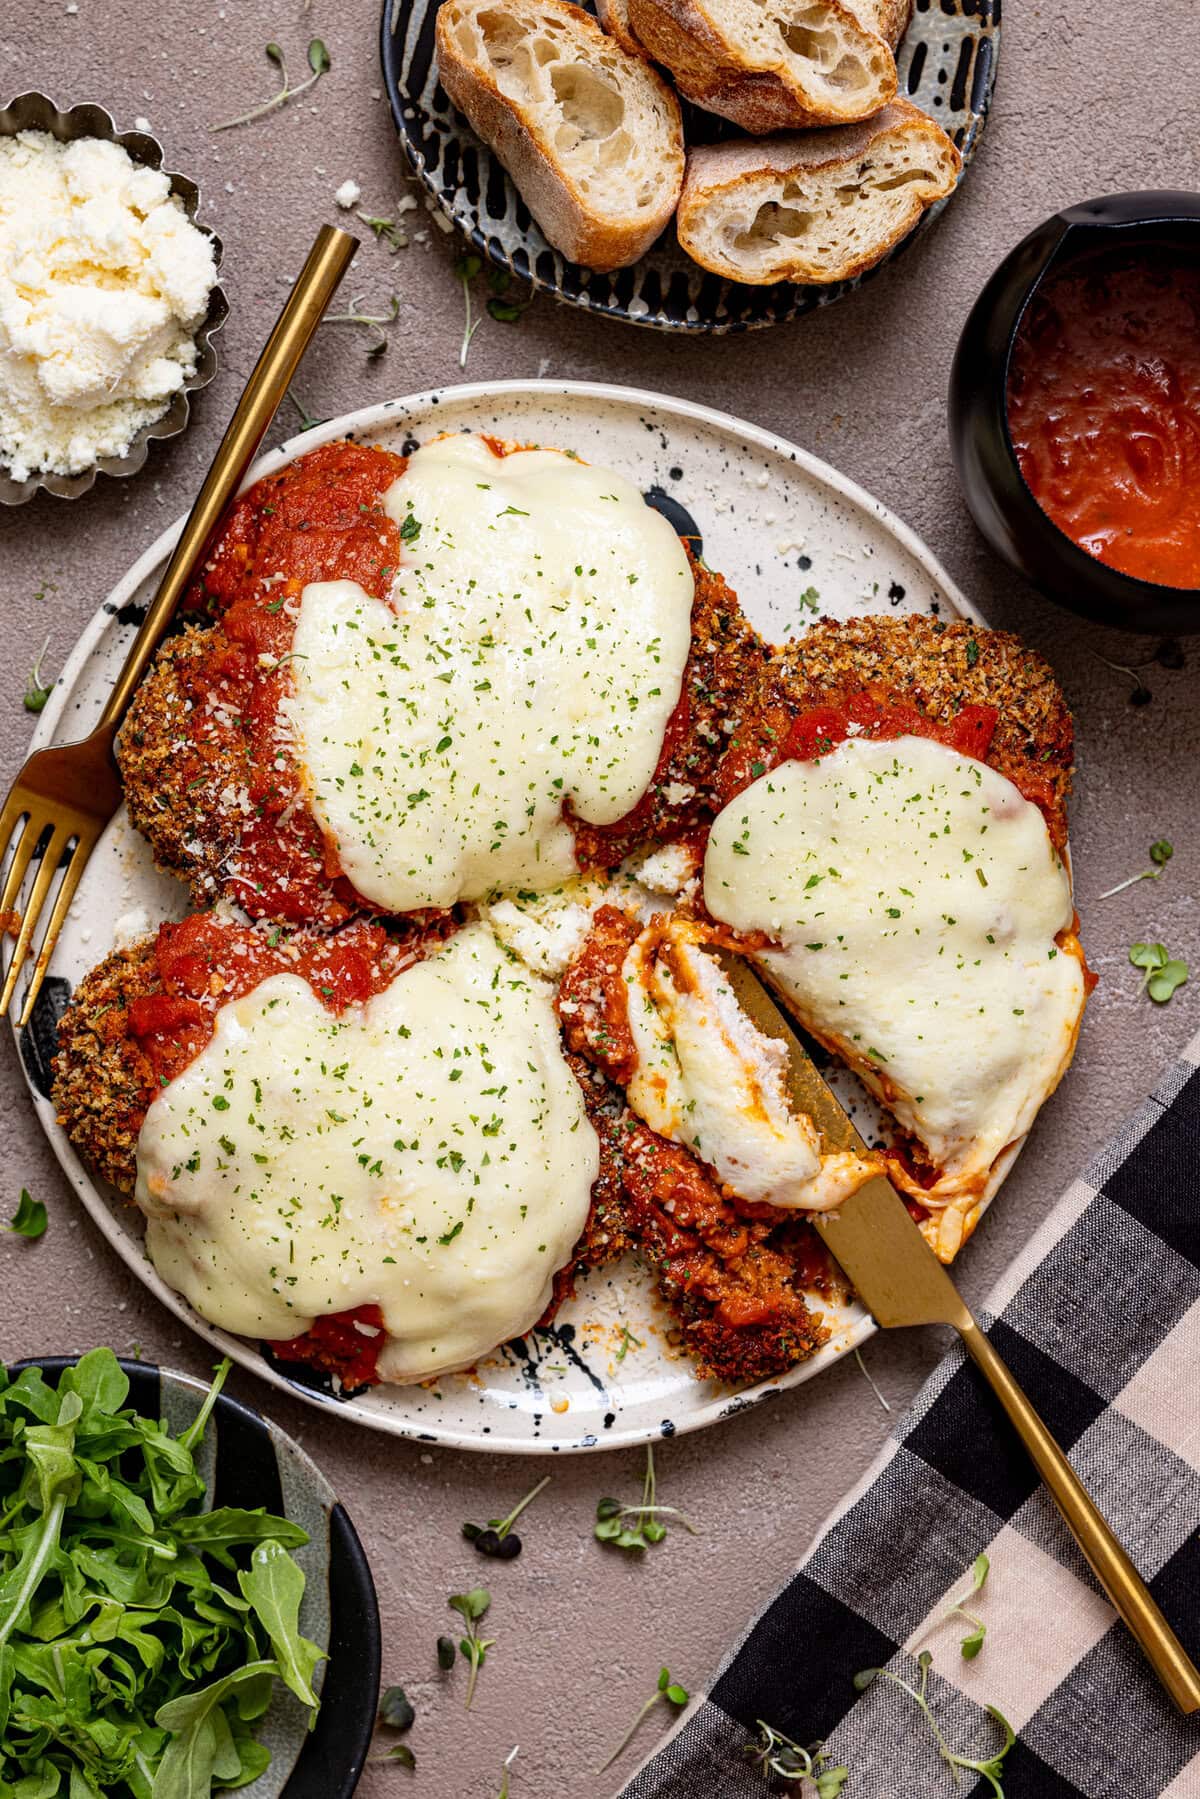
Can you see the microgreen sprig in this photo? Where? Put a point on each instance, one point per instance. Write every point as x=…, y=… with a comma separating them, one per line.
x=396, y=1713
x=638, y=1526
x=1160, y=854
x=509, y=1759
x=307, y=420
x=871, y=1382
x=318, y=62
x=665, y=1689
x=37, y=691
x=465, y=270
x=473, y=1648
x=991, y=1769
x=371, y=322
x=498, y=1538
x=628, y=1342
x=973, y=1642
x=29, y=1219
x=1162, y=972
x=778, y=1755
x=505, y=306
x=386, y=231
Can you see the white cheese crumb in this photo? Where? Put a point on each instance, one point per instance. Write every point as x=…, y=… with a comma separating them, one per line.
x=668, y=870
x=348, y=195
x=131, y=927
x=103, y=281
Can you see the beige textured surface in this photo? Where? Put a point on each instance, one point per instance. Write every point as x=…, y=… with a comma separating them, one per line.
x=1088, y=101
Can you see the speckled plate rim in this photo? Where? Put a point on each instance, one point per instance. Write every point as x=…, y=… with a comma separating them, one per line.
x=723, y=1404
x=261, y=1464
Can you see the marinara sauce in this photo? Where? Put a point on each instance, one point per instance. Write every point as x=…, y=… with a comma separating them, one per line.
x=1104, y=411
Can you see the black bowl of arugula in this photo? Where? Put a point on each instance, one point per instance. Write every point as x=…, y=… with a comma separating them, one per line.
x=184, y=1606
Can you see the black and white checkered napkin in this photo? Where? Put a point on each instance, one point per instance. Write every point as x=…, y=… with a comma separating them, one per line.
x=1100, y=1321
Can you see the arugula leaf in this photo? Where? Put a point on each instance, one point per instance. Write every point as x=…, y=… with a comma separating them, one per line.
x=126, y=1666
x=230, y=1527
x=274, y=1586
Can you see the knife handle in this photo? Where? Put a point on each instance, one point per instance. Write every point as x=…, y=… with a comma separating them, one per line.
x=1108, y=1561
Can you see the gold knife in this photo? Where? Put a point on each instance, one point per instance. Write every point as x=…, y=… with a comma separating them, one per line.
x=898, y=1277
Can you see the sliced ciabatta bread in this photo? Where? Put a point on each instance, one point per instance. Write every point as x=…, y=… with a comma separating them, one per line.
x=774, y=65
x=816, y=206
x=592, y=136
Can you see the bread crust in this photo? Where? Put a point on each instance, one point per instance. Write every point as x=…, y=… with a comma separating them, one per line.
x=712, y=72
x=715, y=170
x=552, y=196
x=614, y=17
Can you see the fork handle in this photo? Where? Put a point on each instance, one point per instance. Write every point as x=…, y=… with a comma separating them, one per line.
x=315, y=286
x=1108, y=1561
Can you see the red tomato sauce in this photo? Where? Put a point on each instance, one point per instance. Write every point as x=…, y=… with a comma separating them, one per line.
x=319, y=519
x=337, y=1345
x=809, y=735
x=204, y=964
x=1104, y=412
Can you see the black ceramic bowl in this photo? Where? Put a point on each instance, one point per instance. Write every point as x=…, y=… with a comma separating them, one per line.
x=248, y=1461
x=1000, y=502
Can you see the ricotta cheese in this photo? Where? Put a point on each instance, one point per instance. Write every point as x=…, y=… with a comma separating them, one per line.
x=103, y=281
x=427, y=1152
x=530, y=657
x=917, y=901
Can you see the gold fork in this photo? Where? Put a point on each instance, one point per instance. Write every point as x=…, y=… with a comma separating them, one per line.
x=63, y=797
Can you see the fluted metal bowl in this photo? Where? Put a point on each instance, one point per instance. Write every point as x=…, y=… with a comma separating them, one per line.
x=35, y=112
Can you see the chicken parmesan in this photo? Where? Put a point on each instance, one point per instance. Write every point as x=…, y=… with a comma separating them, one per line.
x=374, y=1152
x=424, y=680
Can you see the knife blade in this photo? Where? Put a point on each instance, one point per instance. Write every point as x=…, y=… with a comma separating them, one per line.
x=877, y=1243
x=873, y=1238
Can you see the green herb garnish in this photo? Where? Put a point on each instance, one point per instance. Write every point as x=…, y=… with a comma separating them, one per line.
x=1160, y=854
x=465, y=270
x=472, y=1606
x=371, y=322
x=136, y=1653
x=29, y=1219
x=991, y=1769
x=1163, y=973
x=498, y=1538
x=666, y=1689
x=777, y=1755
x=972, y=1643
x=318, y=62
x=307, y=420
x=37, y=691
x=638, y=1526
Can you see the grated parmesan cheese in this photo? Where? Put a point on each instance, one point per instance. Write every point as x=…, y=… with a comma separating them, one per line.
x=103, y=281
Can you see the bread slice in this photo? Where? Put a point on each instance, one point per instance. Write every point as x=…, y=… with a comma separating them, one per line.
x=774, y=65
x=591, y=135
x=817, y=206
x=614, y=16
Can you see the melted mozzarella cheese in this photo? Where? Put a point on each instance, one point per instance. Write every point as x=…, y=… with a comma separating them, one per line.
x=531, y=655
x=706, y=1078
x=917, y=900
x=427, y=1152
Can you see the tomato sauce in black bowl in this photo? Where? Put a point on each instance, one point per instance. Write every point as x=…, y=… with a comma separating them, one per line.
x=1075, y=410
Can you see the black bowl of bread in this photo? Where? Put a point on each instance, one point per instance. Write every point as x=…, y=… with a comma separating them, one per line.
x=683, y=163
x=1075, y=410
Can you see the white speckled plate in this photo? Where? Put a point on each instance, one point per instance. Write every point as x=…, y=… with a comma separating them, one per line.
x=777, y=523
